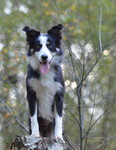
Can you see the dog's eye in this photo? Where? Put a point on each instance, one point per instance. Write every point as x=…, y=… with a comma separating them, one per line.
x=38, y=46
x=49, y=45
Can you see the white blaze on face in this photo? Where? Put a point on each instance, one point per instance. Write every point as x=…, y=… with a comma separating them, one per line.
x=44, y=65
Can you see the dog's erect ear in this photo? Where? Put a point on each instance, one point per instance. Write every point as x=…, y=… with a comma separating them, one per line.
x=56, y=31
x=31, y=33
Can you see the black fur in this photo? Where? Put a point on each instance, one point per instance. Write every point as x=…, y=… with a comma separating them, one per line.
x=32, y=73
x=32, y=99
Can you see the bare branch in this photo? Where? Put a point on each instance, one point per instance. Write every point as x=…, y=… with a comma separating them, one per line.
x=89, y=124
x=98, y=119
x=11, y=111
x=73, y=116
x=84, y=78
x=68, y=141
x=100, y=22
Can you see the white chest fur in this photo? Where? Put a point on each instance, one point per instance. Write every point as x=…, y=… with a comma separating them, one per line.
x=45, y=89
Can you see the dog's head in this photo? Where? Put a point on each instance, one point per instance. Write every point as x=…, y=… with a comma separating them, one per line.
x=45, y=47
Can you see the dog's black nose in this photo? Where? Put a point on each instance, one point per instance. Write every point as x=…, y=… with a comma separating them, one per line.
x=44, y=57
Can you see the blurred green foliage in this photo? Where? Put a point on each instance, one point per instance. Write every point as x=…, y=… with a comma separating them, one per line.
x=86, y=25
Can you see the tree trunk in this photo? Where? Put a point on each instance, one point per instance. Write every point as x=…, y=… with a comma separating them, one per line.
x=36, y=143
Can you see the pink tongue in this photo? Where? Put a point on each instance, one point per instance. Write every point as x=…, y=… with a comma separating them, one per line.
x=45, y=67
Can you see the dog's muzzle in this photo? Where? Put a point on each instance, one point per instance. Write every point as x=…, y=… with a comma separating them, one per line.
x=44, y=64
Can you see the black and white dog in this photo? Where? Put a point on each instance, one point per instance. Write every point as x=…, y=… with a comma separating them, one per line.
x=45, y=85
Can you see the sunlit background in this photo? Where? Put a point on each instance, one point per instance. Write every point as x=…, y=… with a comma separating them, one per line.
x=89, y=68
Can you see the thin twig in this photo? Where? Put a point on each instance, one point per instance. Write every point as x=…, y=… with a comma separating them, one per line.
x=84, y=78
x=98, y=119
x=105, y=143
x=68, y=141
x=89, y=125
x=100, y=22
x=11, y=111
x=93, y=65
x=88, y=20
x=103, y=47
x=79, y=90
x=73, y=115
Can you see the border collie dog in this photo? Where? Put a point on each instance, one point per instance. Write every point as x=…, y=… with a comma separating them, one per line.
x=44, y=82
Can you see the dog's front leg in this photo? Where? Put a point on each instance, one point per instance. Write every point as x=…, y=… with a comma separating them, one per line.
x=32, y=100
x=58, y=116
x=34, y=123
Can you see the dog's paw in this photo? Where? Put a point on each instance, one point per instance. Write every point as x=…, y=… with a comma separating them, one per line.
x=35, y=134
x=59, y=139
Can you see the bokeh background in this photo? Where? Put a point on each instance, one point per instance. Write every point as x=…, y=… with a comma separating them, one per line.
x=89, y=67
